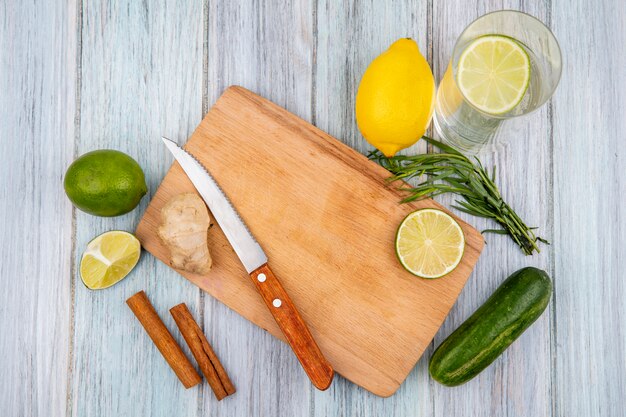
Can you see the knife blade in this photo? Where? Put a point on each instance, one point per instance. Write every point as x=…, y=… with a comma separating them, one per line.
x=236, y=231
x=255, y=260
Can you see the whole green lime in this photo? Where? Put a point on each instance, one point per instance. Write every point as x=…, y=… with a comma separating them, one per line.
x=105, y=183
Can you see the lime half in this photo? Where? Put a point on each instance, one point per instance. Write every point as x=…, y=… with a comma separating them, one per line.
x=493, y=73
x=429, y=243
x=108, y=259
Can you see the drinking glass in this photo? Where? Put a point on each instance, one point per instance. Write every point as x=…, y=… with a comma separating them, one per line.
x=469, y=129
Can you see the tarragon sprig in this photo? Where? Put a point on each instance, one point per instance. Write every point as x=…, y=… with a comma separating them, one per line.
x=452, y=172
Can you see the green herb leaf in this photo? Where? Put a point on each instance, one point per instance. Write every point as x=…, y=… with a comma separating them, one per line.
x=452, y=172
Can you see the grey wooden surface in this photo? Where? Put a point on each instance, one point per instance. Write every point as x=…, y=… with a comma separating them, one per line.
x=77, y=76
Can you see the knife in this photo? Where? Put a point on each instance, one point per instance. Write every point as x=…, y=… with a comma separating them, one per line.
x=254, y=260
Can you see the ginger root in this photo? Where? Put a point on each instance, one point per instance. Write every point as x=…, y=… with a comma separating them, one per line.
x=183, y=229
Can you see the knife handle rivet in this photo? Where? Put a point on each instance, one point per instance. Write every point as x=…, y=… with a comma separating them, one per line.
x=261, y=277
x=277, y=303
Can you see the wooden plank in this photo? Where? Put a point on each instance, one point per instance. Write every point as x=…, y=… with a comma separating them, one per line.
x=37, y=103
x=519, y=382
x=590, y=220
x=349, y=36
x=266, y=47
x=37, y=108
x=141, y=78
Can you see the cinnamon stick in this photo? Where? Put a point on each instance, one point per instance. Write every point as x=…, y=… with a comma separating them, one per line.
x=162, y=338
x=203, y=352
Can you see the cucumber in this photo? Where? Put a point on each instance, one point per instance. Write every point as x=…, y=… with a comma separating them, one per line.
x=510, y=310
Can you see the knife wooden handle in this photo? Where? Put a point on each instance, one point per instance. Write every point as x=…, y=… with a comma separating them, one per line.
x=293, y=327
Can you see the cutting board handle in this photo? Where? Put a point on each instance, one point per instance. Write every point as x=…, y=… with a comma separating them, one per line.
x=293, y=327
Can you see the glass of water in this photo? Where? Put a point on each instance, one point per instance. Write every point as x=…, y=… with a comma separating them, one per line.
x=463, y=115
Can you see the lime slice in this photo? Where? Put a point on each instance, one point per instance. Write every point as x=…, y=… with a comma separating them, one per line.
x=493, y=73
x=429, y=243
x=108, y=259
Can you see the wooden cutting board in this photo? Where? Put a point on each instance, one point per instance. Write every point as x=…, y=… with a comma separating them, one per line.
x=327, y=221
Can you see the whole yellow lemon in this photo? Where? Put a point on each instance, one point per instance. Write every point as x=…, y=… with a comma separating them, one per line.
x=396, y=97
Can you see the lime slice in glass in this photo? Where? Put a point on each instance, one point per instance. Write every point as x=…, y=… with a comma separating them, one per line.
x=493, y=73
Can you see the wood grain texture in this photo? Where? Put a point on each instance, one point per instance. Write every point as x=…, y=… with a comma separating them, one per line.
x=141, y=78
x=207, y=360
x=349, y=36
x=519, y=382
x=371, y=318
x=37, y=109
x=293, y=327
x=589, y=210
x=266, y=46
x=143, y=65
x=163, y=339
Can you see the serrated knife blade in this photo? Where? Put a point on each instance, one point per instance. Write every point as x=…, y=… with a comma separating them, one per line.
x=254, y=260
x=245, y=245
